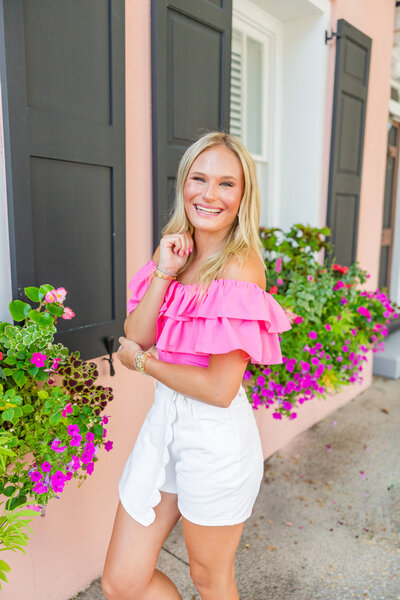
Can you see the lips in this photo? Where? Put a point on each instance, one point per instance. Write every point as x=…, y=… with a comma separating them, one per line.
x=208, y=209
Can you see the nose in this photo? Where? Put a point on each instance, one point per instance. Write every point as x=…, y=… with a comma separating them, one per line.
x=210, y=192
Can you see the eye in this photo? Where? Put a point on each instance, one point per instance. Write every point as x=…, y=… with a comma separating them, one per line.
x=228, y=183
x=198, y=178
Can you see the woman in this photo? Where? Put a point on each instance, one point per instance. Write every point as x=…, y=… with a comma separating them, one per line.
x=198, y=456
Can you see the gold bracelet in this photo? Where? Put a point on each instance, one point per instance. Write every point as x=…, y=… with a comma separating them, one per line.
x=140, y=360
x=162, y=276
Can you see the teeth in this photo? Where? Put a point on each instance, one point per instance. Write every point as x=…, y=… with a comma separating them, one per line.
x=208, y=210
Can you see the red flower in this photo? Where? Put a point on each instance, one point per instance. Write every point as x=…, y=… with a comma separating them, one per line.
x=1, y=356
x=273, y=290
x=340, y=268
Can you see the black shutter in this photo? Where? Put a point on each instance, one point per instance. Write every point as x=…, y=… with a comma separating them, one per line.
x=353, y=52
x=191, y=54
x=63, y=86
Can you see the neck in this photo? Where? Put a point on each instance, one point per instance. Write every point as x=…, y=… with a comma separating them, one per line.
x=208, y=243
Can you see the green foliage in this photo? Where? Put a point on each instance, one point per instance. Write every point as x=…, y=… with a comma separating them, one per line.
x=335, y=323
x=46, y=392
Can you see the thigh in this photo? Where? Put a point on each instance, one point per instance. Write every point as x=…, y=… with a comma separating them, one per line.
x=211, y=549
x=134, y=549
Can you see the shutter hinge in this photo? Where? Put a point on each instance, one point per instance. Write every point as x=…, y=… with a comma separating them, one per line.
x=330, y=37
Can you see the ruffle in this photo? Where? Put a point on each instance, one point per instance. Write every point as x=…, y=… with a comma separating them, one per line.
x=233, y=315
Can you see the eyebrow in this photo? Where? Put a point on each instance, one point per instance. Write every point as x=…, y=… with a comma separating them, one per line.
x=222, y=176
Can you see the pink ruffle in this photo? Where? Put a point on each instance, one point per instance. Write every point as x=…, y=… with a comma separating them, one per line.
x=233, y=315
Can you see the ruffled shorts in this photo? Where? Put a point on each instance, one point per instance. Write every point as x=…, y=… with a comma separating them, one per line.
x=210, y=457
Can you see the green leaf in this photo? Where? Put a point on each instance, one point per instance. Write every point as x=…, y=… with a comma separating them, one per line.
x=3, y=577
x=28, y=409
x=98, y=430
x=33, y=294
x=8, y=414
x=4, y=566
x=2, y=374
x=8, y=491
x=55, y=418
x=10, y=331
x=43, y=319
x=55, y=309
x=10, y=360
x=19, y=310
x=32, y=370
x=19, y=377
x=46, y=287
x=43, y=395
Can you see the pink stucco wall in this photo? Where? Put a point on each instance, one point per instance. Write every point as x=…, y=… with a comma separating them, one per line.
x=68, y=547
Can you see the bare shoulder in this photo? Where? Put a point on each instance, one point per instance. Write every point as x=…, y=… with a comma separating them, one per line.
x=156, y=255
x=252, y=270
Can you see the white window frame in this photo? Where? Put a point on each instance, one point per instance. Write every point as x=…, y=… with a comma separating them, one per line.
x=249, y=20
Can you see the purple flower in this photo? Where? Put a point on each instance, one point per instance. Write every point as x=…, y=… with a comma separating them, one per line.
x=46, y=467
x=305, y=366
x=260, y=380
x=290, y=365
x=287, y=405
x=39, y=488
x=247, y=375
x=339, y=358
x=293, y=415
x=58, y=481
x=315, y=360
x=313, y=335
x=277, y=415
x=343, y=300
x=345, y=348
x=36, y=476
x=108, y=445
x=89, y=436
x=73, y=429
x=76, y=440
x=89, y=468
x=55, y=445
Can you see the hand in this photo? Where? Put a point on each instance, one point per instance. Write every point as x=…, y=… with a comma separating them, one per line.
x=174, y=251
x=126, y=352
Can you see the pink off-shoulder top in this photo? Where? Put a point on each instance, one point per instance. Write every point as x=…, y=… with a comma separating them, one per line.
x=233, y=315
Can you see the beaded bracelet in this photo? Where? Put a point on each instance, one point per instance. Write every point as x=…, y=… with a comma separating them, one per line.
x=166, y=272
x=140, y=360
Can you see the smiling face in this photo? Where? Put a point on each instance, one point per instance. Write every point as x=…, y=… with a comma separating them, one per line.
x=215, y=183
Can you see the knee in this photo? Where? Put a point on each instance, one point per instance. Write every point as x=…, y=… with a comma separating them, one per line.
x=118, y=587
x=207, y=579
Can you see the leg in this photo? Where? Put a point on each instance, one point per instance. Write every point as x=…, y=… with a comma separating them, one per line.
x=211, y=556
x=129, y=570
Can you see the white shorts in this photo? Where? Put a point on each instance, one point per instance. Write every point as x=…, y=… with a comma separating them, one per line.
x=210, y=457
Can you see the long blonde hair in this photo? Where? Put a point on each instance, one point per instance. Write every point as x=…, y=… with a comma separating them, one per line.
x=243, y=237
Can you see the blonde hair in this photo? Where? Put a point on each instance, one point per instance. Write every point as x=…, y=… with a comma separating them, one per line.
x=243, y=237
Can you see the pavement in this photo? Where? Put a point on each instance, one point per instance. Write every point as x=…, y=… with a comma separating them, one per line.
x=326, y=524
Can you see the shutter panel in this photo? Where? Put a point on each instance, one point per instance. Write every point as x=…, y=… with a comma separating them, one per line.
x=353, y=52
x=191, y=55
x=236, y=116
x=64, y=88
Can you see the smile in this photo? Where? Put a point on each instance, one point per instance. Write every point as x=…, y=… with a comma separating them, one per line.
x=207, y=211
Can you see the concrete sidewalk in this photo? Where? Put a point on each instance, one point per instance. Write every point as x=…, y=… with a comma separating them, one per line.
x=326, y=524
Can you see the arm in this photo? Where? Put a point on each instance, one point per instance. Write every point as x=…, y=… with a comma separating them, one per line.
x=216, y=384
x=140, y=325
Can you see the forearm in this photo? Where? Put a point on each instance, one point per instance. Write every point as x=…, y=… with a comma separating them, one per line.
x=188, y=380
x=141, y=324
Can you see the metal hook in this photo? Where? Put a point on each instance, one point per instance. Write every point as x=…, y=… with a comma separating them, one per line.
x=333, y=34
x=109, y=344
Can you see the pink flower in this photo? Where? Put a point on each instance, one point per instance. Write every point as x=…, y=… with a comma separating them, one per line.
x=67, y=410
x=273, y=290
x=343, y=300
x=73, y=429
x=46, y=467
x=287, y=405
x=89, y=468
x=76, y=440
x=279, y=281
x=247, y=375
x=38, y=359
x=309, y=277
x=290, y=365
x=58, y=481
x=277, y=415
x=68, y=313
x=305, y=366
x=35, y=476
x=89, y=436
x=364, y=312
x=104, y=420
x=34, y=507
x=55, y=445
x=51, y=297
x=60, y=294
x=339, y=284
x=298, y=320
x=1, y=356
x=108, y=445
x=40, y=488
x=293, y=415
x=328, y=327
x=345, y=348
x=75, y=462
x=313, y=335
x=278, y=265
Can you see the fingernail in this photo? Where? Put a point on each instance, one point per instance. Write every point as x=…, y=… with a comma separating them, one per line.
x=188, y=251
